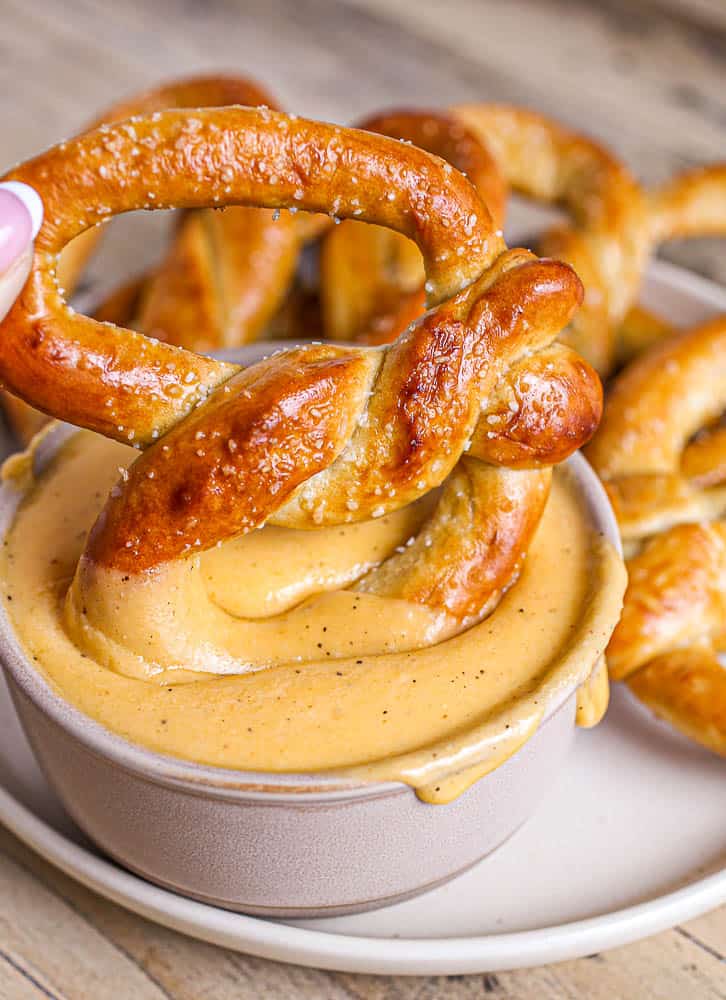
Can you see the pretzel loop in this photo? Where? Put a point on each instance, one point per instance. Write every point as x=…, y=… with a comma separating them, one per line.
x=225, y=273
x=114, y=381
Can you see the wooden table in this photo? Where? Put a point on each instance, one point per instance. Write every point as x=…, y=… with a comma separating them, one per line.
x=648, y=78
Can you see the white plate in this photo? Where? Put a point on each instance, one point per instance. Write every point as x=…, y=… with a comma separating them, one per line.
x=631, y=841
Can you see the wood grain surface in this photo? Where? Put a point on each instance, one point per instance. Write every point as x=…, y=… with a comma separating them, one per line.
x=647, y=77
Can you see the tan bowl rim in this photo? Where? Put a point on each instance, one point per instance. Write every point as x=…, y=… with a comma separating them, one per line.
x=201, y=779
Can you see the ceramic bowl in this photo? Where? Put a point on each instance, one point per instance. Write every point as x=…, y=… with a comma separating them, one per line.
x=294, y=845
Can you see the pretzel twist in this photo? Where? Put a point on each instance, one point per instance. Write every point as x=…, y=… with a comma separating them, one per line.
x=664, y=479
x=371, y=284
x=235, y=156
x=319, y=434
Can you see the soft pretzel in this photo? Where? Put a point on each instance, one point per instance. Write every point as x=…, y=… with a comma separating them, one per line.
x=225, y=273
x=315, y=435
x=663, y=463
x=673, y=623
x=131, y=389
x=349, y=432
x=655, y=471
x=691, y=204
x=615, y=225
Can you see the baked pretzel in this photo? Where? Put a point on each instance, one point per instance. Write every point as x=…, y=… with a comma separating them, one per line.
x=615, y=225
x=225, y=273
x=371, y=290
x=673, y=625
x=663, y=464
x=319, y=434
x=661, y=461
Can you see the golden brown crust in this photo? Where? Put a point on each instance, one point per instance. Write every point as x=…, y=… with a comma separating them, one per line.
x=608, y=241
x=225, y=274
x=406, y=428
x=231, y=156
x=675, y=596
x=691, y=204
x=369, y=276
x=542, y=409
x=687, y=688
x=223, y=469
x=654, y=407
x=472, y=549
x=320, y=434
x=614, y=225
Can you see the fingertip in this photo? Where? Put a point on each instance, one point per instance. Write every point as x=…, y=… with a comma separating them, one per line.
x=31, y=201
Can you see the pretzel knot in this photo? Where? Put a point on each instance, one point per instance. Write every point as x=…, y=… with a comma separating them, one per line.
x=320, y=434
x=666, y=477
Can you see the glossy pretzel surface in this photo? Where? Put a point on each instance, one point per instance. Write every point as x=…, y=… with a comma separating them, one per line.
x=224, y=274
x=663, y=462
x=319, y=434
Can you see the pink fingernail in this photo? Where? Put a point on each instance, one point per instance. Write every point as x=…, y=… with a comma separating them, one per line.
x=16, y=228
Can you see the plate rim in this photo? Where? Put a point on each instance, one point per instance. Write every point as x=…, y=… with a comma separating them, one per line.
x=280, y=941
x=284, y=942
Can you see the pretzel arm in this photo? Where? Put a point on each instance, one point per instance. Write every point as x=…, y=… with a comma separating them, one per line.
x=472, y=549
x=683, y=382
x=691, y=204
x=367, y=275
x=608, y=238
